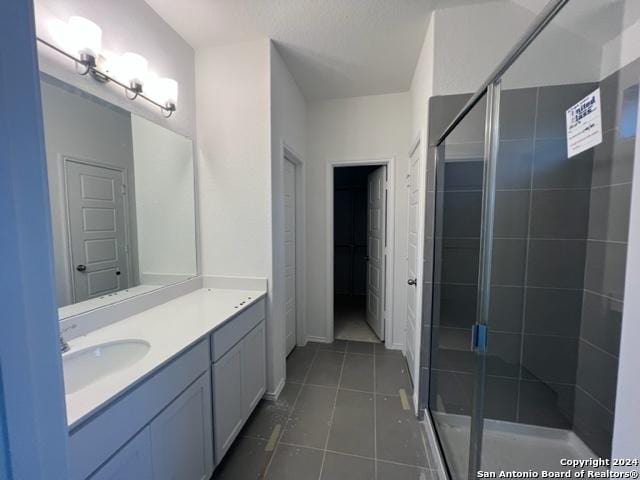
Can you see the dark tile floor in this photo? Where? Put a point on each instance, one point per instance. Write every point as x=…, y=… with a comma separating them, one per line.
x=344, y=414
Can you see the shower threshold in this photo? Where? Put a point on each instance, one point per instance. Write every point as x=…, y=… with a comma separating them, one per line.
x=508, y=446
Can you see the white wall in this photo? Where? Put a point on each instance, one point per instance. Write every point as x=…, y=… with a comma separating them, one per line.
x=234, y=170
x=288, y=119
x=370, y=127
x=471, y=40
x=127, y=25
x=165, y=211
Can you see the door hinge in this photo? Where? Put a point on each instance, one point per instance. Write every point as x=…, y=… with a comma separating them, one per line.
x=479, y=339
x=124, y=189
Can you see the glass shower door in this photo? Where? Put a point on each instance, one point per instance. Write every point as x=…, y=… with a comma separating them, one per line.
x=455, y=366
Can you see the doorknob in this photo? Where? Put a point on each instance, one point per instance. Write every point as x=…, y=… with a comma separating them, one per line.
x=412, y=281
x=81, y=268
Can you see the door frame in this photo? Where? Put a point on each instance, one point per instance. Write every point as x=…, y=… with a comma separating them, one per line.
x=66, y=159
x=301, y=325
x=389, y=162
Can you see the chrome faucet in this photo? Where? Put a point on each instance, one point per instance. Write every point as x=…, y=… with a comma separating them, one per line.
x=64, y=346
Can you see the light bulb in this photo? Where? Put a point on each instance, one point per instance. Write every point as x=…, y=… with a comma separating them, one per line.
x=86, y=36
x=134, y=69
x=168, y=91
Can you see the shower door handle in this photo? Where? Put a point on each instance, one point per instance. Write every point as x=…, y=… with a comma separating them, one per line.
x=479, y=333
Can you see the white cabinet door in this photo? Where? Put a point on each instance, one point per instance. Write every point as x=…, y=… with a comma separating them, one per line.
x=181, y=436
x=133, y=461
x=253, y=368
x=227, y=397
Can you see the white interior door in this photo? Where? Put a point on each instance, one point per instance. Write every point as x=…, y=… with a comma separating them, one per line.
x=413, y=249
x=290, y=253
x=376, y=247
x=97, y=229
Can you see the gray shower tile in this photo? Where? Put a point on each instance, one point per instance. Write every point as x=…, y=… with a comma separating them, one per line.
x=472, y=127
x=511, y=214
x=501, y=398
x=610, y=101
x=598, y=374
x=295, y=463
x=503, y=354
x=463, y=212
x=593, y=424
x=458, y=305
x=514, y=164
x=451, y=392
x=552, y=168
x=398, y=433
x=346, y=467
x=553, y=312
x=560, y=214
x=546, y=404
x=460, y=259
x=517, y=113
x=613, y=160
x=602, y=322
x=508, y=262
x=556, y=263
x=353, y=426
x=605, y=268
x=553, y=102
x=464, y=175
x=505, y=308
x=357, y=373
x=609, y=214
x=550, y=359
x=309, y=421
x=326, y=368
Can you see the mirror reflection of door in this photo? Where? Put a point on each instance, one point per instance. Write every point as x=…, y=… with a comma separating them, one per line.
x=96, y=206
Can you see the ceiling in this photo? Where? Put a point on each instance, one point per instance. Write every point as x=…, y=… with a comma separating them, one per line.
x=348, y=48
x=333, y=48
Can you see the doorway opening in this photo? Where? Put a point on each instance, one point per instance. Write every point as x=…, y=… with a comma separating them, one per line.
x=360, y=238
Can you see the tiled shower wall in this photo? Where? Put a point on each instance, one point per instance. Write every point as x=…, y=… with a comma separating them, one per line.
x=558, y=269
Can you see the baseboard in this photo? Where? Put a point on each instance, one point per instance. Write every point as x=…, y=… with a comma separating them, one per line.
x=311, y=338
x=273, y=396
x=435, y=455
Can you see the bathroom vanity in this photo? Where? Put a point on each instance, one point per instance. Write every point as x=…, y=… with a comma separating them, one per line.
x=164, y=393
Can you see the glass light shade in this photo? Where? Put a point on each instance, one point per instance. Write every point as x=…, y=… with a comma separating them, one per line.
x=167, y=91
x=85, y=36
x=133, y=68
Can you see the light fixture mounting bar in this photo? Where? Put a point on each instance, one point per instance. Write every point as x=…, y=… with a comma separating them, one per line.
x=97, y=74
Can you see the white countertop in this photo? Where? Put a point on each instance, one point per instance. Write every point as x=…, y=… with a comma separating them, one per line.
x=169, y=328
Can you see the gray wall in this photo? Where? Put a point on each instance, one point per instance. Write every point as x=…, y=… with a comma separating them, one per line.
x=558, y=266
x=599, y=342
x=83, y=127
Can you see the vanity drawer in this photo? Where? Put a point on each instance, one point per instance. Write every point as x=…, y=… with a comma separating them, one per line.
x=91, y=444
x=225, y=338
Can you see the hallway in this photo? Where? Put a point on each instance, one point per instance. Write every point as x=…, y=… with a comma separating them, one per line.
x=345, y=413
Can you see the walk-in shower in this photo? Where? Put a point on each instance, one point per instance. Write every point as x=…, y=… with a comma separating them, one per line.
x=528, y=237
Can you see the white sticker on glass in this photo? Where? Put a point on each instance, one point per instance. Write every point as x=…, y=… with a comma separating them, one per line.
x=584, y=124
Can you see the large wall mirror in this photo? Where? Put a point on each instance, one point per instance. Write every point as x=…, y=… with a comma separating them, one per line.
x=122, y=200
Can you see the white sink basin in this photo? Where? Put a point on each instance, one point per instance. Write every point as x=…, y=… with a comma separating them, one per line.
x=90, y=364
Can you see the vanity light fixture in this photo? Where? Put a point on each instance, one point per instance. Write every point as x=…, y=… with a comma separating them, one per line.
x=83, y=45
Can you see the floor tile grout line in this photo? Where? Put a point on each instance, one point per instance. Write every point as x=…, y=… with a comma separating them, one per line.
x=354, y=455
x=290, y=413
x=333, y=413
x=386, y=394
